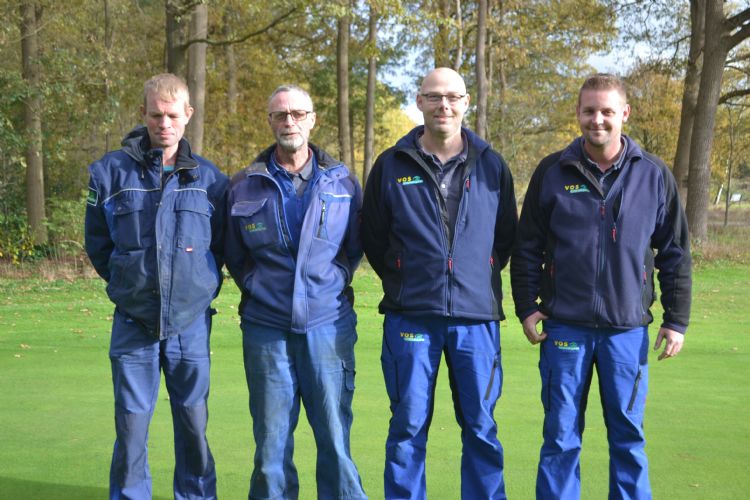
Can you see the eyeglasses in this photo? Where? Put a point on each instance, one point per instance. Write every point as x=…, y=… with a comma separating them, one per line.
x=438, y=98
x=297, y=115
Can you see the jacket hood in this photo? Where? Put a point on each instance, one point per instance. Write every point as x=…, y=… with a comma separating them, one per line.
x=409, y=141
x=137, y=145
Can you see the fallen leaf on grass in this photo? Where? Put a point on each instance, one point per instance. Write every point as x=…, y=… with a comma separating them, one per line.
x=25, y=346
x=16, y=355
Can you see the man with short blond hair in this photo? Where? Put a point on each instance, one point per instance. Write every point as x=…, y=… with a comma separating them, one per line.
x=439, y=218
x=292, y=247
x=598, y=217
x=154, y=233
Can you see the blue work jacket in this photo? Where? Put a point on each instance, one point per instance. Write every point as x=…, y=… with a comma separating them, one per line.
x=407, y=239
x=155, y=239
x=294, y=290
x=590, y=255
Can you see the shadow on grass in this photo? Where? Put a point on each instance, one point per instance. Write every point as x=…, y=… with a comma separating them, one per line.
x=21, y=488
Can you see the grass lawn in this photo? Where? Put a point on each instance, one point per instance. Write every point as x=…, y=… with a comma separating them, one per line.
x=56, y=410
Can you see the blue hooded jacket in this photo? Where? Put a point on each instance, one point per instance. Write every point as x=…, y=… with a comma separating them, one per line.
x=406, y=236
x=283, y=288
x=158, y=245
x=590, y=257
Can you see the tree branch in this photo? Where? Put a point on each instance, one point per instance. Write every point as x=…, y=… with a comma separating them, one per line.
x=739, y=19
x=734, y=93
x=243, y=38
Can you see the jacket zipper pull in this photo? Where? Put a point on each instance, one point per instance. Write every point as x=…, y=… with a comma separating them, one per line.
x=601, y=209
x=614, y=233
x=468, y=184
x=398, y=262
x=322, y=217
x=450, y=265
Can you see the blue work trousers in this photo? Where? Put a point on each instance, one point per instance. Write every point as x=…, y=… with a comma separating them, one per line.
x=567, y=359
x=137, y=359
x=411, y=353
x=317, y=368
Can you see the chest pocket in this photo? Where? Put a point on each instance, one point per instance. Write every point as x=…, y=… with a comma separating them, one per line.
x=334, y=216
x=193, y=217
x=132, y=221
x=258, y=222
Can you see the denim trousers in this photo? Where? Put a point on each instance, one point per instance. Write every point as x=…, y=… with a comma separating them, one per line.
x=137, y=360
x=567, y=360
x=316, y=368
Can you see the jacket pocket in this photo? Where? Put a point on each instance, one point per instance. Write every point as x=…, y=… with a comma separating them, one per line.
x=193, y=219
x=128, y=222
x=258, y=222
x=333, y=220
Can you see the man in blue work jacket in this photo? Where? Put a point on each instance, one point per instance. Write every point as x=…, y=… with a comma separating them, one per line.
x=154, y=232
x=292, y=247
x=598, y=217
x=439, y=218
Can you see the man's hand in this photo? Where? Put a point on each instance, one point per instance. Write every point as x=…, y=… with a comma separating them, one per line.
x=674, y=342
x=529, y=328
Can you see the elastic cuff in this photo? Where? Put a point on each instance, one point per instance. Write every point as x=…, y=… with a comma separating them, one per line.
x=674, y=326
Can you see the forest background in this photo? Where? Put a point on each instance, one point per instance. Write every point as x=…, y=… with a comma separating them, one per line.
x=71, y=76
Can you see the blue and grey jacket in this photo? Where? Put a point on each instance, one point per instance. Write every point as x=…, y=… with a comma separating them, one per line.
x=157, y=243
x=406, y=236
x=283, y=288
x=590, y=257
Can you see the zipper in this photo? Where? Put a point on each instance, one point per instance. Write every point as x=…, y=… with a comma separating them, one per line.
x=492, y=379
x=321, y=224
x=635, y=390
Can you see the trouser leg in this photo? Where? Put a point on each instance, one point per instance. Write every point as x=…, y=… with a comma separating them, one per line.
x=473, y=357
x=410, y=358
x=566, y=367
x=186, y=363
x=274, y=406
x=325, y=366
x=134, y=357
x=622, y=366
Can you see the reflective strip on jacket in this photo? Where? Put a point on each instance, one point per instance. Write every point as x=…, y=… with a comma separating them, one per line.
x=159, y=248
x=281, y=288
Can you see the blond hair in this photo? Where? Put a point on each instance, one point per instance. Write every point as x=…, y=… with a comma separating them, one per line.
x=166, y=87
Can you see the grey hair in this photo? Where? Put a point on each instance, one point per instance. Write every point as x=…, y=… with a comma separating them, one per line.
x=290, y=88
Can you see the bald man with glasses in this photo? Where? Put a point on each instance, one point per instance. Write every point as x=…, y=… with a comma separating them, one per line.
x=439, y=218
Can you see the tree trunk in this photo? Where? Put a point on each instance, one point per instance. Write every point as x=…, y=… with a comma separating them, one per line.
x=232, y=94
x=690, y=95
x=481, y=72
x=196, y=76
x=459, y=38
x=342, y=78
x=107, y=82
x=31, y=14
x=721, y=35
x=442, y=40
x=177, y=27
x=699, y=178
x=372, y=68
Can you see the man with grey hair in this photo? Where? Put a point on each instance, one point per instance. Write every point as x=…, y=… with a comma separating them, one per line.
x=154, y=232
x=292, y=247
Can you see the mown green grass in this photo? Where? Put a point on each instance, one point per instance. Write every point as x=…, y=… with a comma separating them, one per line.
x=56, y=410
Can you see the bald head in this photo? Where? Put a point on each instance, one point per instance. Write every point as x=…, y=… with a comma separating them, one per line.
x=444, y=78
x=443, y=101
